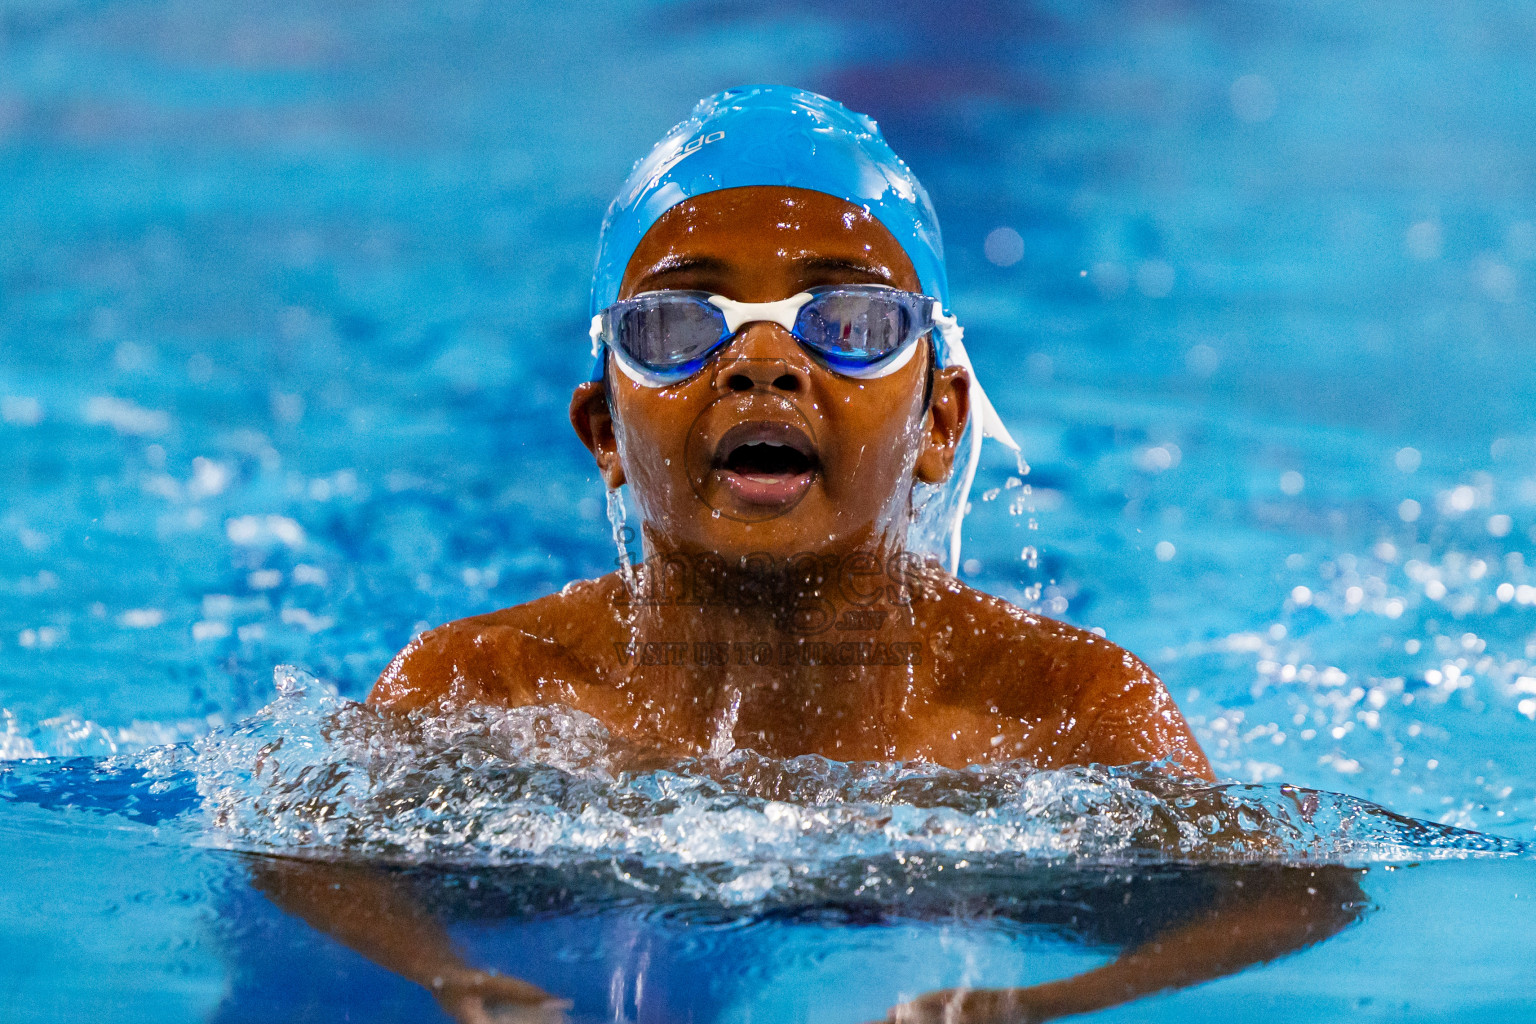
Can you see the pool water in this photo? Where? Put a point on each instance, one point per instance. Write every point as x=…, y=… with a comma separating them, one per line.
x=291, y=303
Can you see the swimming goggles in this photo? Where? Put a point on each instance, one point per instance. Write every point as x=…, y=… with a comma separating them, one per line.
x=860, y=330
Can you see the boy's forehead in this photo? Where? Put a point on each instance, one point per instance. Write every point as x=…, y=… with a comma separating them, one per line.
x=755, y=227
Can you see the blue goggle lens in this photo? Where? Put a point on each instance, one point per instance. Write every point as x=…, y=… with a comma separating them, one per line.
x=856, y=328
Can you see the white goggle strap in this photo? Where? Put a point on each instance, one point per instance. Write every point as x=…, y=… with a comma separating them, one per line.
x=988, y=424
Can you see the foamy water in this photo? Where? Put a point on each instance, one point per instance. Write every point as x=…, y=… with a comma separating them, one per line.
x=313, y=774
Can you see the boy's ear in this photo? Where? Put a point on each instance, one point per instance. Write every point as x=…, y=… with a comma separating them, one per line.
x=593, y=420
x=948, y=410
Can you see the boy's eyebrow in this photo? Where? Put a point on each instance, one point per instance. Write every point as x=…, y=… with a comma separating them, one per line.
x=872, y=269
x=673, y=264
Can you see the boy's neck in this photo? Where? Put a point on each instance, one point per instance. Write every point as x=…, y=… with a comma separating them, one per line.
x=797, y=595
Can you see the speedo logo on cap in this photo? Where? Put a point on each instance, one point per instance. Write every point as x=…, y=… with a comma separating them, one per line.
x=699, y=143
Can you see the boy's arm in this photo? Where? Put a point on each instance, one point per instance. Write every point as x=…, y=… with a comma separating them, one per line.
x=1249, y=925
x=369, y=909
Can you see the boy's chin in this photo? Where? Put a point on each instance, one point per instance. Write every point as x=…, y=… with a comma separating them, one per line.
x=792, y=532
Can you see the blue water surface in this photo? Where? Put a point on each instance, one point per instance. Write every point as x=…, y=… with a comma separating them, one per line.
x=292, y=298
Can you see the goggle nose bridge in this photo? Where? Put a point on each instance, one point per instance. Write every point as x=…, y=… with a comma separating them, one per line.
x=782, y=312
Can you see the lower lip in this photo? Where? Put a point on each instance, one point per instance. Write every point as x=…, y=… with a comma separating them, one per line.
x=766, y=490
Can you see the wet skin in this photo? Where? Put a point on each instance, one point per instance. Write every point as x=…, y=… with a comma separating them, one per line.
x=950, y=675
x=960, y=676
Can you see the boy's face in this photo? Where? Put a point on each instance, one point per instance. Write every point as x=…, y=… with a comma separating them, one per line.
x=765, y=449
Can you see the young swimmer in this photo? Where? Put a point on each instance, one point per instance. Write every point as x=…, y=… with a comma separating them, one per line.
x=776, y=375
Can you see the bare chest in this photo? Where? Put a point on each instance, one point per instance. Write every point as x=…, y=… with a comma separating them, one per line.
x=848, y=705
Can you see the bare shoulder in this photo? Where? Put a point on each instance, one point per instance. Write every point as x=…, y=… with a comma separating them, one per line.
x=990, y=643
x=1033, y=667
x=517, y=655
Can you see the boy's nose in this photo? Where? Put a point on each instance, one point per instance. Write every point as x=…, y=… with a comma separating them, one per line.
x=762, y=355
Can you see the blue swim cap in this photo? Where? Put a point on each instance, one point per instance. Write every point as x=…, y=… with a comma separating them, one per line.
x=778, y=135
x=772, y=135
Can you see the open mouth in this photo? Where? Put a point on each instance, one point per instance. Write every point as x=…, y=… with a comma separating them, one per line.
x=766, y=463
x=767, y=458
